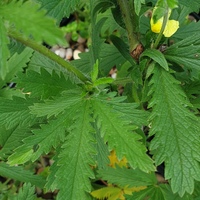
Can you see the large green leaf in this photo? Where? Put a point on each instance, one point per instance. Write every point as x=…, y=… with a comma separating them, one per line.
x=28, y=18
x=116, y=129
x=4, y=53
x=71, y=171
x=176, y=132
x=18, y=173
x=59, y=8
x=127, y=177
x=43, y=84
x=185, y=53
x=15, y=112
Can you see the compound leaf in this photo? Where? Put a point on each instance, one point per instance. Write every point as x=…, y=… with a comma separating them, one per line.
x=177, y=132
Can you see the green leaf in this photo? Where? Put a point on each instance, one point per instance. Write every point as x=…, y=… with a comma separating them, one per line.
x=18, y=173
x=117, y=131
x=11, y=138
x=28, y=18
x=162, y=191
x=4, y=53
x=102, y=150
x=122, y=48
x=185, y=53
x=185, y=31
x=127, y=177
x=172, y=3
x=194, y=5
x=58, y=105
x=15, y=112
x=59, y=8
x=137, y=6
x=26, y=192
x=95, y=71
x=16, y=63
x=157, y=56
x=73, y=164
x=43, y=84
x=176, y=132
x=50, y=135
x=102, y=81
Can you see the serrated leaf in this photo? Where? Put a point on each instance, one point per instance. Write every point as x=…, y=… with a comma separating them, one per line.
x=15, y=112
x=58, y=105
x=16, y=63
x=117, y=131
x=4, y=53
x=26, y=192
x=157, y=56
x=192, y=4
x=177, y=132
x=76, y=156
x=50, y=135
x=11, y=138
x=59, y=8
x=127, y=177
x=43, y=84
x=32, y=22
x=185, y=31
x=102, y=150
x=18, y=173
x=185, y=53
x=154, y=192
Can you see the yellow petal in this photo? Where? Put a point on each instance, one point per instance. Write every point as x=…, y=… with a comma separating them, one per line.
x=171, y=27
x=157, y=26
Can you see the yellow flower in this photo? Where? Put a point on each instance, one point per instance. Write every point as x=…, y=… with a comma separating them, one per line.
x=170, y=28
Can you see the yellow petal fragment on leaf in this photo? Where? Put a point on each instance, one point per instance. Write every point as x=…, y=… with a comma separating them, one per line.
x=114, y=160
x=171, y=27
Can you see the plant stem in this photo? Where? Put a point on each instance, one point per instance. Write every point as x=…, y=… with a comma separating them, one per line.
x=130, y=23
x=165, y=19
x=43, y=50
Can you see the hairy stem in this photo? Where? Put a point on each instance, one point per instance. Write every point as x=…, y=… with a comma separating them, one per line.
x=43, y=50
x=130, y=23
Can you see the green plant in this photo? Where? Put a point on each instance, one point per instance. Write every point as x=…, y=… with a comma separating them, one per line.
x=74, y=111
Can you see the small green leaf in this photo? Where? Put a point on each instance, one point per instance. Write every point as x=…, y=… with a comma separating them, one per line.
x=94, y=73
x=157, y=56
x=26, y=192
x=137, y=5
x=102, y=81
x=172, y=3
